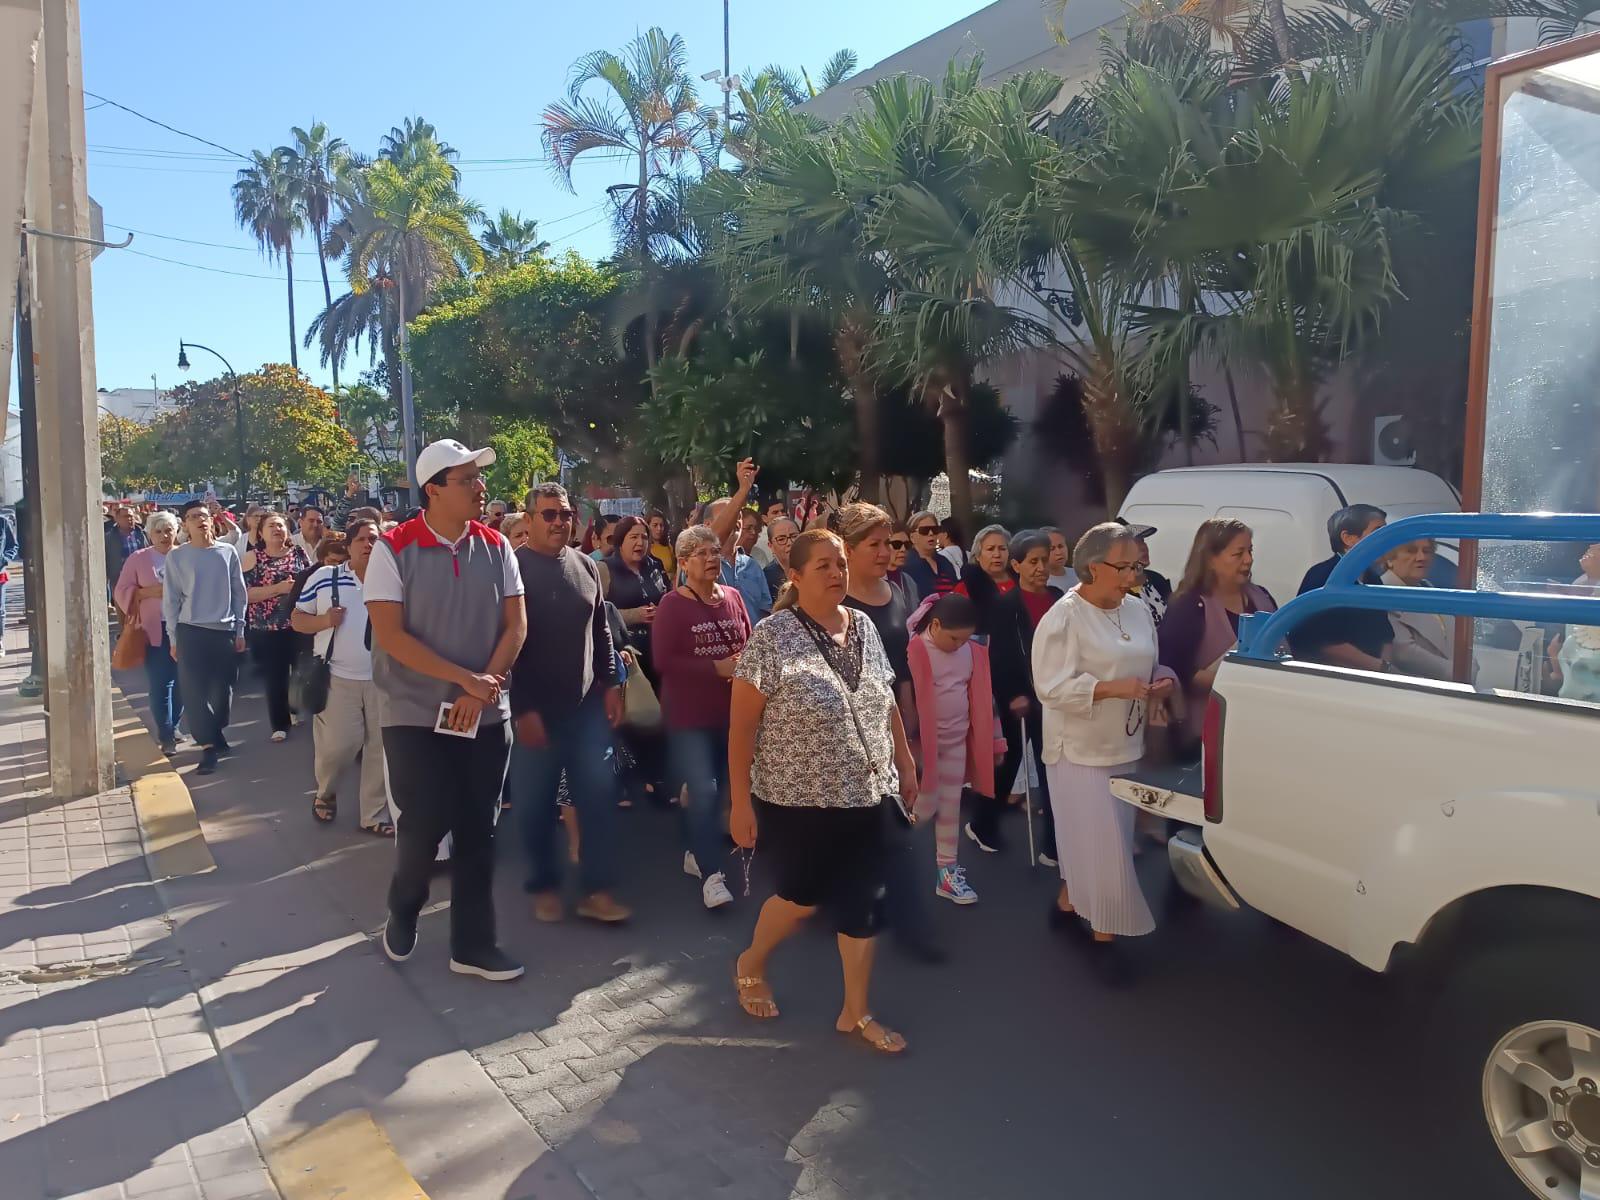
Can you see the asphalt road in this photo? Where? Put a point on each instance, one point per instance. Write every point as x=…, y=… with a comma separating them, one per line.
x=1241, y=1060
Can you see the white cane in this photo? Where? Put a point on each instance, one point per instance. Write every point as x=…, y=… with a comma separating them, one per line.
x=1027, y=793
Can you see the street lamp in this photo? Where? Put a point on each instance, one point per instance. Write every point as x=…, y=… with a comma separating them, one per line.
x=238, y=404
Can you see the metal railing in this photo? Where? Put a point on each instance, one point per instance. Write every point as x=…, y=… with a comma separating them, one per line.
x=1261, y=634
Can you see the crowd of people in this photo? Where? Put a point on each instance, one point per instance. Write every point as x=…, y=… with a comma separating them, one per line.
x=849, y=695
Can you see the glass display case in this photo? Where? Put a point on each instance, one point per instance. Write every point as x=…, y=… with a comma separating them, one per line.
x=1533, y=425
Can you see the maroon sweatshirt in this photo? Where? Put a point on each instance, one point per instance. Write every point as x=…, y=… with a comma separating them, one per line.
x=686, y=640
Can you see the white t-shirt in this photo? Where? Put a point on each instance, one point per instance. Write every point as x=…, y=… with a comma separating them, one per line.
x=1076, y=646
x=351, y=657
x=383, y=572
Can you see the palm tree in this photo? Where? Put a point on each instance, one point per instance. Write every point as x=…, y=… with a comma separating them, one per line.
x=267, y=203
x=948, y=177
x=509, y=240
x=318, y=162
x=650, y=114
x=797, y=244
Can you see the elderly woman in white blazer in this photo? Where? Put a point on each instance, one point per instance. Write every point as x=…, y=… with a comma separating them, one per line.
x=1096, y=674
x=1423, y=642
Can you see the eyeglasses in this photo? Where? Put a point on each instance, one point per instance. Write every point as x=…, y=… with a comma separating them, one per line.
x=783, y=539
x=707, y=552
x=470, y=481
x=898, y=543
x=556, y=516
x=1132, y=568
x=925, y=530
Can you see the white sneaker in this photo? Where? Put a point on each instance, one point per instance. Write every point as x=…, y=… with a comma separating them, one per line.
x=279, y=735
x=690, y=867
x=1046, y=859
x=715, y=892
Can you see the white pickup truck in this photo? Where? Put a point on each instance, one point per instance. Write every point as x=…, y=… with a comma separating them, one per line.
x=1448, y=834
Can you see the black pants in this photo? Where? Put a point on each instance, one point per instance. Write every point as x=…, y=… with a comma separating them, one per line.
x=989, y=810
x=207, y=667
x=440, y=785
x=274, y=652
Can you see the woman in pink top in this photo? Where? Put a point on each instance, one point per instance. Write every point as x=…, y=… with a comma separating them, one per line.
x=698, y=632
x=956, y=721
x=138, y=594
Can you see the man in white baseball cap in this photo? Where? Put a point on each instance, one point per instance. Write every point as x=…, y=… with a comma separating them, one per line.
x=444, y=601
x=438, y=457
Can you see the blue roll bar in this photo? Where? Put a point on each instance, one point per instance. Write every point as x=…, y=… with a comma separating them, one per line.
x=1260, y=634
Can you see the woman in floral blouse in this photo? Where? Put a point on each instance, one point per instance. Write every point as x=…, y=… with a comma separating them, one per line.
x=816, y=751
x=269, y=582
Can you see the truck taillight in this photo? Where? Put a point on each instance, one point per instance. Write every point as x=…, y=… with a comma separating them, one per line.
x=1211, y=755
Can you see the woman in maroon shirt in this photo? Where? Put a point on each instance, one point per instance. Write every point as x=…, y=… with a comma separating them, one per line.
x=699, y=630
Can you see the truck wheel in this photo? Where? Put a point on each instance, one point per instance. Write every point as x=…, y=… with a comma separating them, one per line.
x=1515, y=1044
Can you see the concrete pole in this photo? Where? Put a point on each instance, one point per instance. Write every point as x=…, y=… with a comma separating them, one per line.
x=408, y=406
x=78, y=668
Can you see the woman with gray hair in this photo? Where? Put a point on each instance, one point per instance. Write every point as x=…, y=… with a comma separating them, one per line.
x=1095, y=670
x=988, y=576
x=700, y=628
x=931, y=572
x=137, y=592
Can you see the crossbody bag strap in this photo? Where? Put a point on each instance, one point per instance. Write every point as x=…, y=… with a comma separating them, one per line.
x=334, y=632
x=849, y=696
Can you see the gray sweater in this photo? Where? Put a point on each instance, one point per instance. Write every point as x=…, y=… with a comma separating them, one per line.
x=203, y=586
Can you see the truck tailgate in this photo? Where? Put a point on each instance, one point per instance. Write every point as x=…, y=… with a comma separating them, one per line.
x=1168, y=790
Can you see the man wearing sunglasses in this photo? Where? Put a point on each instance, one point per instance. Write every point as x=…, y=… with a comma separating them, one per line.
x=444, y=606
x=932, y=572
x=566, y=698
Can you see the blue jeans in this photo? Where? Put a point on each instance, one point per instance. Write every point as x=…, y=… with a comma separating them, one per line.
x=580, y=743
x=166, y=698
x=699, y=758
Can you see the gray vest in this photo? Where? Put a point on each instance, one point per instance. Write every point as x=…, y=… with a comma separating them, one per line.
x=452, y=605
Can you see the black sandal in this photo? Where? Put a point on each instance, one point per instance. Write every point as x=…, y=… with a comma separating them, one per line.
x=379, y=829
x=325, y=808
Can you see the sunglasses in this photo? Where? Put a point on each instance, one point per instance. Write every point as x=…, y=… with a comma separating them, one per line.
x=925, y=530
x=898, y=543
x=556, y=516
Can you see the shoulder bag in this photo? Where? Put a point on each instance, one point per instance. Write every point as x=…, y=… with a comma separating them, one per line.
x=312, y=675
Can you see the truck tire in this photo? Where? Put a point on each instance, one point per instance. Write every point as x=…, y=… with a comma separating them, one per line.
x=1512, y=1059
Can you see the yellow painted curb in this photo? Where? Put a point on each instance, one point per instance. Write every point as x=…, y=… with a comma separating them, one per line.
x=173, y=842
x=346, y=1158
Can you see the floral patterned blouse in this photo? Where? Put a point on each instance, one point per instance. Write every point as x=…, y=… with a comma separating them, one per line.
x=808, y=753
x=273, y=612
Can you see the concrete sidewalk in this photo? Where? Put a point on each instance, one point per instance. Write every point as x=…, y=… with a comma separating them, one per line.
x=111, y=1084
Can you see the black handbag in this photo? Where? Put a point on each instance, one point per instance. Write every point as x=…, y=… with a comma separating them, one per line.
x=312, y=675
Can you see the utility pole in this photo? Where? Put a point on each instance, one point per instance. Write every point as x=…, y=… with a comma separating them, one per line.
x=408, y=412
x=727, y=77
x=77, y=643
x=32, y=685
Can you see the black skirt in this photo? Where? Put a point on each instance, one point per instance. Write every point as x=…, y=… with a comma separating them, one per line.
x=827, y=858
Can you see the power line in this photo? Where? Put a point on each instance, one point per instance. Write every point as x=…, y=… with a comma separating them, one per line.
x=310, y=281
x=167, y=237
x=170, y=128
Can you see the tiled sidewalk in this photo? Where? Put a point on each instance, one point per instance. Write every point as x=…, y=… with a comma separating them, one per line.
x=105, y=1055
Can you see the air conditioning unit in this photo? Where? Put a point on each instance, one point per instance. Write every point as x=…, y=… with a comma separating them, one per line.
x=1391, y=442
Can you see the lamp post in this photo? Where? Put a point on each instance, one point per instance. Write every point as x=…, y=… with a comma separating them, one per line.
x=238, y=406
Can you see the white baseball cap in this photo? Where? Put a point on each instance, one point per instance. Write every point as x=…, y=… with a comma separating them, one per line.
x=446, y=453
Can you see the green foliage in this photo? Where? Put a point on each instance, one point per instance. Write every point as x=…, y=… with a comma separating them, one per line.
x=117, y=436
x=290, y=434
x=523, y=452
x=533, y=343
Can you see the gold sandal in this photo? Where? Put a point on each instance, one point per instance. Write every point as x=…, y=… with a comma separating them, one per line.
x=744, y=984
x=887, y=1042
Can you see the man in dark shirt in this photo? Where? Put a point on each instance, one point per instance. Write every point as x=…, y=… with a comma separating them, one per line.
x=1358, y=638
x=565, y=701
x=124, y=537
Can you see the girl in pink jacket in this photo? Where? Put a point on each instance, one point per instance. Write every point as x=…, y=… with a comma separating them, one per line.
x=959, y=731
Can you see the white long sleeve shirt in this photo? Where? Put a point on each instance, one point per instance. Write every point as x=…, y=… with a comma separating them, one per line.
x=1076, y=646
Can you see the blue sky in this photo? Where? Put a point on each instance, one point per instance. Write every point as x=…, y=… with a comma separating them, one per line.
x=241, y=75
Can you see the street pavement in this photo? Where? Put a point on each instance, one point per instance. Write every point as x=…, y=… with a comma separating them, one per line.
x=1239, y=1061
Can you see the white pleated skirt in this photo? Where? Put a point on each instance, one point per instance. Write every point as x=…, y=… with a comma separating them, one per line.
x=1094, y=837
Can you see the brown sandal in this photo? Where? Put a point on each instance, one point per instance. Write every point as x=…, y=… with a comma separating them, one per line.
x=887, y=1042
x=746, y=985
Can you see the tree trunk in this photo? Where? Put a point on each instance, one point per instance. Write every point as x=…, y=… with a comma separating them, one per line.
x=640, y=213
x=294, y=342
x=1279, y=22
x=953, y=415
x=852, y=351
x=327, y=296
x=1238, y=420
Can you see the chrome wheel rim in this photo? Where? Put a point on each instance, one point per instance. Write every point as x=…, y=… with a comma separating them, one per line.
x=1541, y=1097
